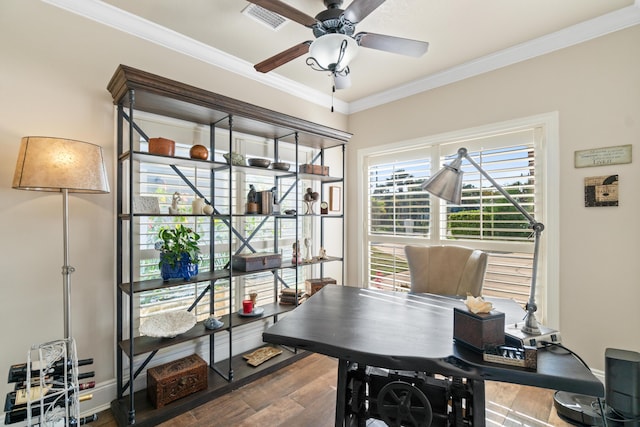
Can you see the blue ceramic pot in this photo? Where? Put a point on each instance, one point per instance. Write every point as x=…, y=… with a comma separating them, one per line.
x=183, y=269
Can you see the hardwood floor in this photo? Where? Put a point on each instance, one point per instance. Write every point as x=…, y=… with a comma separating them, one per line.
x=303, y=394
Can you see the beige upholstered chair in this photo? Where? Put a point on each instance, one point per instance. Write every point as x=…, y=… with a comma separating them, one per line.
x=446, y=270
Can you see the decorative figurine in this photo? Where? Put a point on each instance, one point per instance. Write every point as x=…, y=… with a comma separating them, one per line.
x=307, y=244
x=322, y=253
x=213, y=323
x=197, y=206
x=173, y=209
x=310, y=197
x=296, y=257
x=252, y=197
x=275, y=204
x=252, y=200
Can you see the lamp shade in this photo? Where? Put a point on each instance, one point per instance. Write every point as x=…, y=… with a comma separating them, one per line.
x=447, y=183
x=326, y=50
x=56, y=164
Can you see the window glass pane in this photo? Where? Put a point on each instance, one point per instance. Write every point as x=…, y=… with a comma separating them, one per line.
x=484, y=213
x=397, y=204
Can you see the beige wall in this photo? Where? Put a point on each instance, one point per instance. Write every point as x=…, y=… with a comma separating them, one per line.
x=54, y=70
x=595, y=87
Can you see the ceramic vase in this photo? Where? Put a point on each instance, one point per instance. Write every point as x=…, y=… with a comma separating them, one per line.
x=183, y=269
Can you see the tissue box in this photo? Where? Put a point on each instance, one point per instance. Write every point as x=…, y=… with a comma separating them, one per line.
x=479, y=331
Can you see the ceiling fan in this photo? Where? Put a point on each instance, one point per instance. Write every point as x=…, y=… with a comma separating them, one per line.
x=336, y=41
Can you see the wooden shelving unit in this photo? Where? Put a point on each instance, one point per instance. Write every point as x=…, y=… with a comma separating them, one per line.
x=136, y=91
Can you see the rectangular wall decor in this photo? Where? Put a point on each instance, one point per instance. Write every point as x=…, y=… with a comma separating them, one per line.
x=601, y=191
x=603, y=156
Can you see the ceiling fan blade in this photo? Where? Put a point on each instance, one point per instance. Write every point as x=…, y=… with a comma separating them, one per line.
x=360, y=9
x=283, y=57
x=342, y=81
x=392, y=44
x=287, y=11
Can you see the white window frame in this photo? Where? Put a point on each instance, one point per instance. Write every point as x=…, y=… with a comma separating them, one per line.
x=547, y=176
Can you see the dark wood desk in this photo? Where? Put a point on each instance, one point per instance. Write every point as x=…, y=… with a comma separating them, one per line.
x=413, y=332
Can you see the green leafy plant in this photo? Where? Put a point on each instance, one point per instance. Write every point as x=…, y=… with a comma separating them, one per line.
x=175, y=242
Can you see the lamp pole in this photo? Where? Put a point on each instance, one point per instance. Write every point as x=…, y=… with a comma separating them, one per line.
x=531, y=324
x=66, y=268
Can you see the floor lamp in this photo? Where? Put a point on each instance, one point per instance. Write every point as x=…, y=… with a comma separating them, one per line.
x=66, y=166
x=447, y=184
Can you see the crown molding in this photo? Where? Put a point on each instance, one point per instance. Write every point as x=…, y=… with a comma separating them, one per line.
x=134, y=25
x=597, y=27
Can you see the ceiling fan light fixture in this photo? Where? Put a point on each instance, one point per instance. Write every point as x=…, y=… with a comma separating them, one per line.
x=332, y=52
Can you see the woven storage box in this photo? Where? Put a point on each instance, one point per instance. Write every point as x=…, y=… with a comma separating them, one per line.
x=480, y=330
x=173, y=380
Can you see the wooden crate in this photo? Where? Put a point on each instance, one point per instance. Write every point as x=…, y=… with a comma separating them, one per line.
x=173, y=380
x=314, y=285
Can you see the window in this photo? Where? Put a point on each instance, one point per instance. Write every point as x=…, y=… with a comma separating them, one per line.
x=398, y=212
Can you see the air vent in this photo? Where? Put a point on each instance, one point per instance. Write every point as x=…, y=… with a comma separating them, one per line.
x=264, y=16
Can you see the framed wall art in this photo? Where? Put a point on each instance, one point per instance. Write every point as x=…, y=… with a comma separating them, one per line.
x=601, y=191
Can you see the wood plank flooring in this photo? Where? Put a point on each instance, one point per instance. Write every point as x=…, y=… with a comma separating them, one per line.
x=303, y=394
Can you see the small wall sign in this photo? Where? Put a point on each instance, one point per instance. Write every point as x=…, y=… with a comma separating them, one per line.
x=603, y=156
x=601, y=191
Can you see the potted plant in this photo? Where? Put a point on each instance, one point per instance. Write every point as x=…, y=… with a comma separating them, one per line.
x=179, y=252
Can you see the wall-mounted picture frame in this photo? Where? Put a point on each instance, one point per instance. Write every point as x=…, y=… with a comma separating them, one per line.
x=335, y=199
x=601, y=191
x=146, y=205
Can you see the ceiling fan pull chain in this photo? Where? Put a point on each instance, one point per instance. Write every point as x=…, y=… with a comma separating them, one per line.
x=333, y=88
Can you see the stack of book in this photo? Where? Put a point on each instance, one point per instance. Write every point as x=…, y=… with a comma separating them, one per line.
x=290, y=296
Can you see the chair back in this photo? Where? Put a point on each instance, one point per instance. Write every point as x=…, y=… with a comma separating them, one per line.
x=446, y=270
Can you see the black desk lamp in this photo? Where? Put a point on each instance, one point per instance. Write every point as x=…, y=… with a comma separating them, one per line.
x=447, y=184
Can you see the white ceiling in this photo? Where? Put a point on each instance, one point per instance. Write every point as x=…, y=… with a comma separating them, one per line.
x=466, y=37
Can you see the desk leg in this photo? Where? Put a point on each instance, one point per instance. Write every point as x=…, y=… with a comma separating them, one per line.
x=341, y=392
x=479, y=416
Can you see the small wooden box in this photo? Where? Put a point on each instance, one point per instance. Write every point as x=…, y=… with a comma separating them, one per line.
x=257, y=261
x=314, y=169
x=480, y=330
x=314, y=285
x=173, y=380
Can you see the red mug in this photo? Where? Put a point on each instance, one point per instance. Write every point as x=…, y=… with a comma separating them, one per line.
x=247, y=306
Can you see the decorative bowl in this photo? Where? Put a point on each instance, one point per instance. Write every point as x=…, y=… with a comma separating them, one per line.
x=199, y=152
x=168, y=325
x=235, y=159
x=261, y=163
x=283, y=166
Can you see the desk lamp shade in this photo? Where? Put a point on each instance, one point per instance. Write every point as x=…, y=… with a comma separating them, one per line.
x=57, y=164
x=447, y=182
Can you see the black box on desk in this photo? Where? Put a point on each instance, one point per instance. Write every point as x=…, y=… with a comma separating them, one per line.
x=480, y=330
